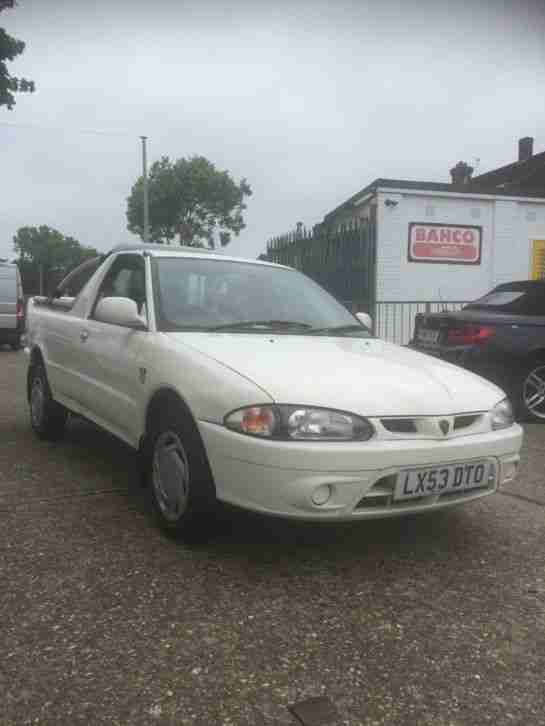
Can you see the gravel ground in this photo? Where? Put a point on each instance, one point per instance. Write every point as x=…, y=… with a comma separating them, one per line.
x=432, y=621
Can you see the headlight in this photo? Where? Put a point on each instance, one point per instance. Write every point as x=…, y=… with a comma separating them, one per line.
x=299, y=422
x=502, y=415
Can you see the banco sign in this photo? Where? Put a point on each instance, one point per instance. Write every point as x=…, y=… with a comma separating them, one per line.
x=444, y=243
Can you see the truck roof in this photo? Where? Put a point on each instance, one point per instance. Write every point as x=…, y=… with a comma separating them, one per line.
x=160, y=250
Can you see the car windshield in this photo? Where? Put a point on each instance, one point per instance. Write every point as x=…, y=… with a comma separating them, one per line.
x=519, y=299
x=229, y=296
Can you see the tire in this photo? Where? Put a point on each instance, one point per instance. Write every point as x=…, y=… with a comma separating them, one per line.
x=47, y=417
x=529, y=392
x=180, y=480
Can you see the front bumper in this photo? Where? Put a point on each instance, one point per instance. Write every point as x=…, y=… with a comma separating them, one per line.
x=280, y=478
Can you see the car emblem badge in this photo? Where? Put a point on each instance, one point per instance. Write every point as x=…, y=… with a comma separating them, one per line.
x=444, y=426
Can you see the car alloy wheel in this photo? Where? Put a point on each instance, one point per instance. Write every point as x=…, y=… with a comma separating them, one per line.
x=533, y=392
x=170, y=476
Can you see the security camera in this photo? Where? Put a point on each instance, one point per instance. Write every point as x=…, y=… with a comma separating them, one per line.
x=391, y=203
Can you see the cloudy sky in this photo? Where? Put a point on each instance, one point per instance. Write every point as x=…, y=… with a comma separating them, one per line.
x=310, y=101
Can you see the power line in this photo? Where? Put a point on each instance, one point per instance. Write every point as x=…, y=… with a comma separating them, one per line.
x=94, y=132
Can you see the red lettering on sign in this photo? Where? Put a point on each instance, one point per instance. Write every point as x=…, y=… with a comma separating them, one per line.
x=445, y=235
x=426, y=250
x=420, y=234
x=457, y=236
x=468, y=236
x=432, y=235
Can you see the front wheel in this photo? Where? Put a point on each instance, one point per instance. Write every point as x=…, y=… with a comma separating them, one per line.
x=529, y=393
x=182, y=488
x=47, y=417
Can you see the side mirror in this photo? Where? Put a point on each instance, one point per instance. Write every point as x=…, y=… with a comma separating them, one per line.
x=365, y=319
x=119, y=311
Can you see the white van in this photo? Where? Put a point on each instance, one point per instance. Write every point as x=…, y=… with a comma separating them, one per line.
x=12, y=306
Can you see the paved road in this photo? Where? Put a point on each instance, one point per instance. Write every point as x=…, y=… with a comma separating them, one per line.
x=433, y=621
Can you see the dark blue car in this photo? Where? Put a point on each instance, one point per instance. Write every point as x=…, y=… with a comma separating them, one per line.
x=500, y=336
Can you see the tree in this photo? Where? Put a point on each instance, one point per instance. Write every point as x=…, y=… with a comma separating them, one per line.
x=46, y=256
x=191, y=200
x=10, y=48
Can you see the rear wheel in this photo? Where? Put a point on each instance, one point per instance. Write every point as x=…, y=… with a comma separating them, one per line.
x=48, y=418
x=182, y=488
x=529, y=394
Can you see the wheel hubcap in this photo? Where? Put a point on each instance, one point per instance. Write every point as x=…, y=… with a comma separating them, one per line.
x=37, y=401
x=170, y=476
x=533, y=392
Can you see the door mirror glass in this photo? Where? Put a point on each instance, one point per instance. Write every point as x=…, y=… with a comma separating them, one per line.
x=119, y=311
x=365, y=319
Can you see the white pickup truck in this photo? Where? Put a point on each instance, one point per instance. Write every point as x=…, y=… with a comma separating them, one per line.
x=246, y=382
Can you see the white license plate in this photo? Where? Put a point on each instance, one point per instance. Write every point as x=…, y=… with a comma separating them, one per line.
x=428, y=337
x=428, y=482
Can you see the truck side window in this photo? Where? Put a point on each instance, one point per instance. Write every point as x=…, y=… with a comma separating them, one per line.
x=74, y=282
x=125, y=278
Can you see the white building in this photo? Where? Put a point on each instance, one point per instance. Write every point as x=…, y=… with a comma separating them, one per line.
x=444, y=244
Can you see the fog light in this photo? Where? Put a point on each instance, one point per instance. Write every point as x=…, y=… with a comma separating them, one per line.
x=322, y=494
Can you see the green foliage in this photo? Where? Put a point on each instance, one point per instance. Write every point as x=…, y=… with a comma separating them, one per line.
x=46, y=252
x=10, y=48
x=189, y=200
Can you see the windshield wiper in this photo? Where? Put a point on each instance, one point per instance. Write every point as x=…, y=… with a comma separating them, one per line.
x=342, y=329
x=269, y=324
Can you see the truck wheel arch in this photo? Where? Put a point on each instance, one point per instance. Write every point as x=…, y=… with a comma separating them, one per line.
x=164, y=396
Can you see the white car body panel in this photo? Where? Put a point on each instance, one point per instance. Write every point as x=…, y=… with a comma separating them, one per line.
x=110, y=374
x=367, y=377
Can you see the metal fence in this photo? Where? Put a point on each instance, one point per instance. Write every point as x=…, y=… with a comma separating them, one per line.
x=343, y=263
x=394, y=319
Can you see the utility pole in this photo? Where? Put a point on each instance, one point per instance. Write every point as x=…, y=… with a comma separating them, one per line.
x=146, y=197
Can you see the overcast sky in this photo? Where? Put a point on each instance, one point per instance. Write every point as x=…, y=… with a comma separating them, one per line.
x=310, y=101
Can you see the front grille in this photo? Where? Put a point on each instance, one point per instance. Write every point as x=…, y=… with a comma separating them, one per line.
x=423, y=427
x=462, y=422
x=399, y=425
x=381, y=496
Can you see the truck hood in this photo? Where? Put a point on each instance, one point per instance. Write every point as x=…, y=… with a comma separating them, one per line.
x=368, y=377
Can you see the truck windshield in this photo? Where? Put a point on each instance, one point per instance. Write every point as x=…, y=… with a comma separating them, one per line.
x=222, y=295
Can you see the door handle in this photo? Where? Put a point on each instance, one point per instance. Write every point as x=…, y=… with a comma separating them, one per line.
x=83, y=336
